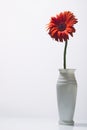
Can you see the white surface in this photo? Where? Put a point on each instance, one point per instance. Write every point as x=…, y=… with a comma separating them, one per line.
x=30, y=59
x=36, y=124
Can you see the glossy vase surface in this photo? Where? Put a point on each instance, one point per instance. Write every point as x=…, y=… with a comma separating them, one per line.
x=66, y=95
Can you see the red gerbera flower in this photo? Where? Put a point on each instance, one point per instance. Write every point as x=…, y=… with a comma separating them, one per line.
x=61, y=26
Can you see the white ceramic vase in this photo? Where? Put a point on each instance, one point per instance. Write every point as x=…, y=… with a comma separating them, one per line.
x=66, y=95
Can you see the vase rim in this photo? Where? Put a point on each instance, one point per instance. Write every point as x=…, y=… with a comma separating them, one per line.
x=67, y=70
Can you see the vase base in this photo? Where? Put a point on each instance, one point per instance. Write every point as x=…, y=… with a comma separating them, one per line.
x=66, y=122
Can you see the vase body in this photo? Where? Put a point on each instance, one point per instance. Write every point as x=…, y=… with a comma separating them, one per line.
x=66, y=95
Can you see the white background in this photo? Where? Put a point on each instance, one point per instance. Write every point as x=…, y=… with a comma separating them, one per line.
x=30, y=59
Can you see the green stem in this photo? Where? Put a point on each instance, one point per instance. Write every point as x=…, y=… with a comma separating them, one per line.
x=65, y=54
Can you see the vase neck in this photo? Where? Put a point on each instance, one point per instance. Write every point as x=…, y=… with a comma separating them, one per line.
x=67, y=75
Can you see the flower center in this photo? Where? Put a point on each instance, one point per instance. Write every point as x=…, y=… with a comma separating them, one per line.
x=62, y=26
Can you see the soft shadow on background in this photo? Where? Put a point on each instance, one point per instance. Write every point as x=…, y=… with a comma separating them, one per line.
x=76, y=126
x=65, y=127
x=80, y=124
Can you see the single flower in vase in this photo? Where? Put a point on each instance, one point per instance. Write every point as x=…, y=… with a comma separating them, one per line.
x=59, y=28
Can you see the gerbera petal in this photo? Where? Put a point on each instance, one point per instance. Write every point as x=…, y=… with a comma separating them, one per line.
x=50, y=25
x=54, y=32
x=56, y=38
x=71, y=34
x=70, y=18
x=54, y=20
x=54, y=28
x=65, y=36
x=60, y=37
x=70, y=29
